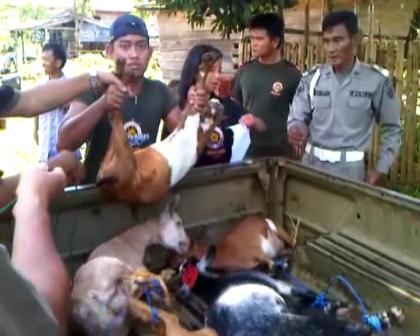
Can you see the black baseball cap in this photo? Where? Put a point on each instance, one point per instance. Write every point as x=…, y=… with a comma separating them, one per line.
x=128, y=24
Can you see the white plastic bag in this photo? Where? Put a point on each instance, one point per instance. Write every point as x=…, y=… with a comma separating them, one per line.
x=241, y=142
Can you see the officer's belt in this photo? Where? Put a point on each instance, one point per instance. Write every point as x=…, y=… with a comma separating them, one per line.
x=334, y=155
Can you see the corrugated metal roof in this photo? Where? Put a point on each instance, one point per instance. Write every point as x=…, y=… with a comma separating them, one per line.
x=58, y=20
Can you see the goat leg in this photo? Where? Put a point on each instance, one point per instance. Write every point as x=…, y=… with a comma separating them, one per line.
x=141, y=311
x=119, y=159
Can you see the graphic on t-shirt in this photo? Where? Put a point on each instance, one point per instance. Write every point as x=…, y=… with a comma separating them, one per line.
x=277, y=89
x=134, y=133
x=216, y=139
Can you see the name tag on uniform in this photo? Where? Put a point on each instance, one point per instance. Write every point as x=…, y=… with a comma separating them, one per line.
x=360, y=94
x=321, y=93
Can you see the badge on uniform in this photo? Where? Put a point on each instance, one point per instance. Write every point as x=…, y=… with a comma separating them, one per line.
x=277, y=89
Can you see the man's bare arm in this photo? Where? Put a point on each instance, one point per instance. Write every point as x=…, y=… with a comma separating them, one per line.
x=81, y=119
x=33, y=238
x=79, y=123
x=46, y=97
x=172, y=119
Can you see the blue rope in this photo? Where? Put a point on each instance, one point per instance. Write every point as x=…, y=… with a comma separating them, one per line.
x=150, y=288
x=370, y=320
x=321, y=301
x=349, y=286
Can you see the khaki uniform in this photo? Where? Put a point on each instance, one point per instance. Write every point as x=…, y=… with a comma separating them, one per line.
x=341, y=116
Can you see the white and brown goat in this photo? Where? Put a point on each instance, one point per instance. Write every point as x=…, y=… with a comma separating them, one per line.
x=102, y=288
x=252, y=241
x=145, y=175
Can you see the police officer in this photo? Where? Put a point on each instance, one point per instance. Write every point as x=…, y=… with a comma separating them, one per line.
x=332, y=114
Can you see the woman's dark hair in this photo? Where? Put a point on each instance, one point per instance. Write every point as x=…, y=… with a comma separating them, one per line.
x=190, y=70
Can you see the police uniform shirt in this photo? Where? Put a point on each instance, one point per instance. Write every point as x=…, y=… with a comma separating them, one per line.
x=340, y=115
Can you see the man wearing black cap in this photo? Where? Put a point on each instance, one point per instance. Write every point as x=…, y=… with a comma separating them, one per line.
x=148, y=101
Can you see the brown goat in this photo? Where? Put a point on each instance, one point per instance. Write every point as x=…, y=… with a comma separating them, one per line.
x=145, y=175
x=252, y=241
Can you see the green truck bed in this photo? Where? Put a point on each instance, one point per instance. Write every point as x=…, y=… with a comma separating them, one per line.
x=370, y=235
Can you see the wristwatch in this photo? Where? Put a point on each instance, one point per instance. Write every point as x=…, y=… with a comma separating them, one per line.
x=93, y=76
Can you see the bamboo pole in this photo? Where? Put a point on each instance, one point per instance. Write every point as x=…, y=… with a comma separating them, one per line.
x=76, y=27
x=411, y=112
x=413, y=109
x=306, y=34
x=396, y=172
x=356, y=8
x=371, y=17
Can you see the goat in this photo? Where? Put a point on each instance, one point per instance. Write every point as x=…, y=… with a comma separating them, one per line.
x=170, y=325
x=100, y=296
x=252, y=308
x=145, y=175
x=129, y=246
x=252, y=241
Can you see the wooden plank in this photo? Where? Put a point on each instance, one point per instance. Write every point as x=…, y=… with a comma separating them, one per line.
x=398, y=82
x=372, y=155
x=412, y=104
x=179, y=56
x=392, y=67
x=415, y=108
x=186, y=44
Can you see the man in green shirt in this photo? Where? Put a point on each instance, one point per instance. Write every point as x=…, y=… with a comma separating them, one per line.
x=148, y=101
x=266, y=85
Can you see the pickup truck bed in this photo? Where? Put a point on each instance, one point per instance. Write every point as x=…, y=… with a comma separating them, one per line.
x=368, y=234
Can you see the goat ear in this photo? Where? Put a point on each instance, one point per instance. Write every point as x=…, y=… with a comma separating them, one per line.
x=174, y=203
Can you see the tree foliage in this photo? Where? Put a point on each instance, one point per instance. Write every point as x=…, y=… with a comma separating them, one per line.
x=228, y=16
x=83, y=7
x=29, y=12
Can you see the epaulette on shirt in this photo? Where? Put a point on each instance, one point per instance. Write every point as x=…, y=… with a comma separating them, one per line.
x=382, y=71
x=312, y=70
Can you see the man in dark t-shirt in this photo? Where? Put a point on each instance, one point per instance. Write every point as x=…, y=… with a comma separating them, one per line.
x=266, y=85
x=141, y=117
x=143, y=107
